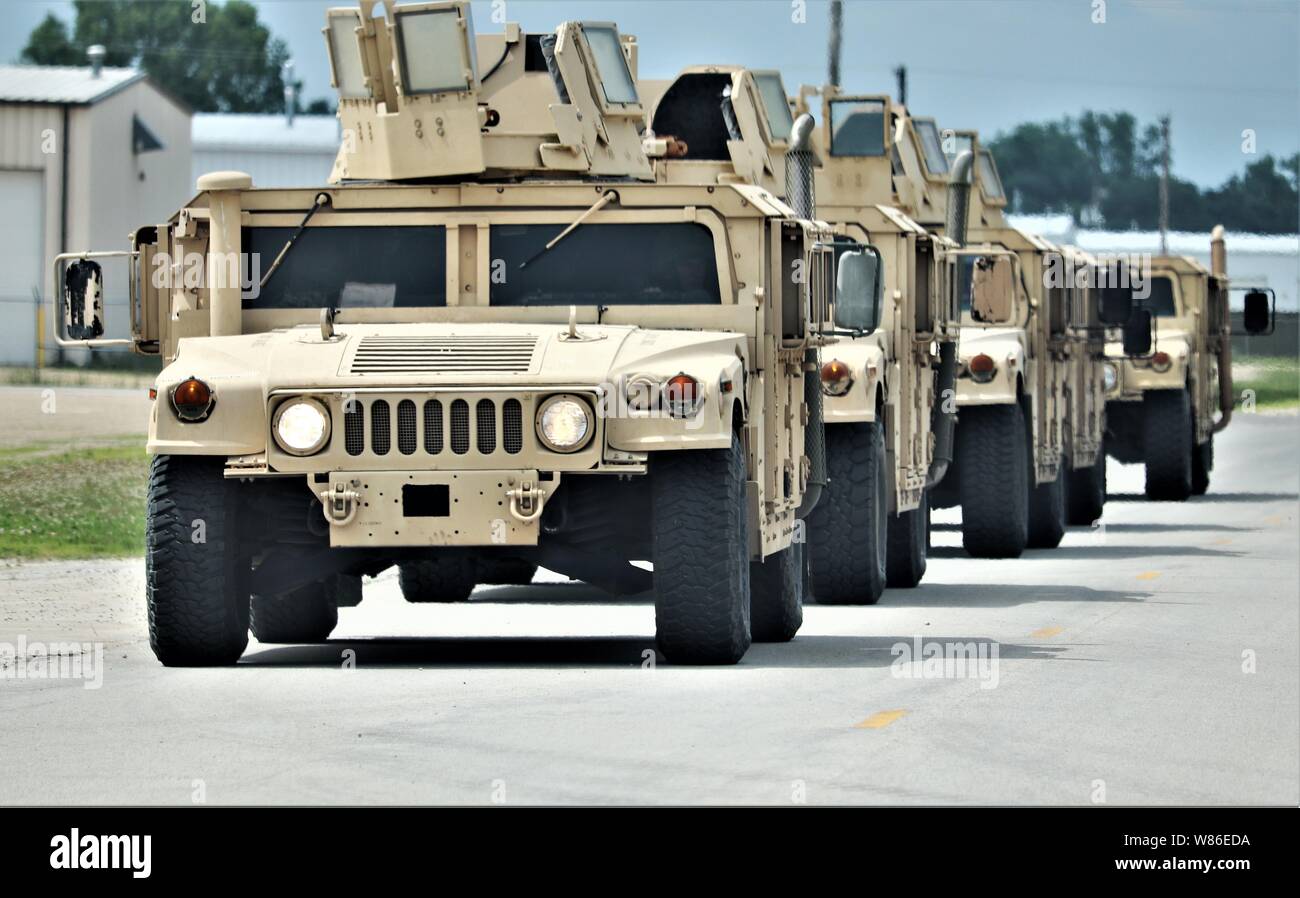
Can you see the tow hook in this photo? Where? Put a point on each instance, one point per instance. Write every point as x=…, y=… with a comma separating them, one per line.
x=526, y=502
x=340, y=504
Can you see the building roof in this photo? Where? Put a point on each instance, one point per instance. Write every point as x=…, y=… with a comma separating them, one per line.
x=210, y=131
x=1185, y=243
x=59, y=84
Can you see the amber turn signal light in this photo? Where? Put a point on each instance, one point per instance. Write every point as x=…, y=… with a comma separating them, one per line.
x=192, y=400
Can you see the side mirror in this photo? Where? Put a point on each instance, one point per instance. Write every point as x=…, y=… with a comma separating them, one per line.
x=1115, y=299
x=858, y=287
x=1257, y=316
x=1137, y=333
x=83, y=300
x=992, y=290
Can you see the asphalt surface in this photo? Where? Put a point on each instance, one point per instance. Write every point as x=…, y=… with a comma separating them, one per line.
x=1150, y=659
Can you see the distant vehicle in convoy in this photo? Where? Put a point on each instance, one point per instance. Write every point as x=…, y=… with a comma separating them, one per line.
x=889, y=395
x=1164, y=408
x=494, y=340
x=1030, y=392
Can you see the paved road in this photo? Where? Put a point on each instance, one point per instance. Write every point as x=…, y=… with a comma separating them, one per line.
x=58, y=415
x=1121, y=675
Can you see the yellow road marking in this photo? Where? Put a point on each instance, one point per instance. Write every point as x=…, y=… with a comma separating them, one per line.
x=880, y=719
x=1148, y=575
x=1221, y=542
x=1046, y=632
x=1274, y=519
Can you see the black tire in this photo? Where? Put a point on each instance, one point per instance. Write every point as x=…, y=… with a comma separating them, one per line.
x=1047, y=510
x=1167, y=444
x=1202, y=465
x=848, y=531
x=443, y=578
x=993, y=456
x=347, y=591
x=776, y=595
x=909, y=538
x=701, y=555
x=304, y=615
x=506, y=571
x=196, y=589
x=1086, y=493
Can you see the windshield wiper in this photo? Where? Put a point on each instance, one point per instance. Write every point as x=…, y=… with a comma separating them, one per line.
x=608, y=197
x=322, y=200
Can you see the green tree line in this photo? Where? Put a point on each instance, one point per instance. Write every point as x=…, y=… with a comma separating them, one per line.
x=1104, y=170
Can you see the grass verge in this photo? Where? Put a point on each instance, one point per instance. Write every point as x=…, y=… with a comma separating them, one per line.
x=1273, y=382
x=87, y=503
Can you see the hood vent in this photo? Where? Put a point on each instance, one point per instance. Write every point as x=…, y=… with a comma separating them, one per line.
x=445, y=355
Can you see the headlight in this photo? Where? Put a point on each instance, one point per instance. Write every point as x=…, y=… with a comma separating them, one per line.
x=1109, y=376
x=682, y=395
x=1161, y=362
x=301, y=426
x=565, y=424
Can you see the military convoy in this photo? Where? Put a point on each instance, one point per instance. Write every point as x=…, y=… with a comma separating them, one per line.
x=655, y=336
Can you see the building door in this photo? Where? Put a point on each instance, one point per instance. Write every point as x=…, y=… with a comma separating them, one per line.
x=22, y=264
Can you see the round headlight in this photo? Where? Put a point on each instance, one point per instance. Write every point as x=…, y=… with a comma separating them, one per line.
x=565, y=424
x=301, y=426
x=1109, y=376
x=837, y=378
x=1161, y=362
x=982, y=368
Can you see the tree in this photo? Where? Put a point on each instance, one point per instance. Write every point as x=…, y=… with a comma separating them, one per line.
x=1101, y=171
x=48, y=44
x=216, y=58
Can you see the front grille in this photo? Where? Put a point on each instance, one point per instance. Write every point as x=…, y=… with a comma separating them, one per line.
x=460, y=427
x=381, y=433
x=445, y=354
x=406, y=427
x=397, y=425
x=512, y=426
x=433, y=427
x=354, y=428
x=486, y=414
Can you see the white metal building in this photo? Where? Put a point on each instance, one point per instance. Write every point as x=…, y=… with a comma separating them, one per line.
x=1256, y=260
x=275, y=150
x=87, y=154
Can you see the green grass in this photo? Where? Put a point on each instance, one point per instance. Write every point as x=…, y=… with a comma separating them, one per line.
x=87, y=503
x=1274, y=380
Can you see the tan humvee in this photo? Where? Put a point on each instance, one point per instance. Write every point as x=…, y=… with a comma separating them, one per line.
x=1163, y=408
x=494, y=337
x=889, y=428
x=1030, y=395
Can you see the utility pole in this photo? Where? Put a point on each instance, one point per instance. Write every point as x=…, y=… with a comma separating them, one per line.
x=1164, y=186
x=900, y=75
x=837, y=27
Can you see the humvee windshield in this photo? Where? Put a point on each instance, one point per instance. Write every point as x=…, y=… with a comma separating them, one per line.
x=936, y=163
x=989, y=175
x=857, y=128
x=349, y=267
x=1161, y=301
x=775, y=104
x=604, y=264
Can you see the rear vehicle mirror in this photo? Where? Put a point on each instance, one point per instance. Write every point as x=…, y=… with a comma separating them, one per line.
x=83, y=300
x=992, y=289
x=1137, y=333
x=858, y=289
x=1257, y=315
x=1115, y=303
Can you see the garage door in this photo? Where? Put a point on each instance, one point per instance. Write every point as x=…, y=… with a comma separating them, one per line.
x=22, y=224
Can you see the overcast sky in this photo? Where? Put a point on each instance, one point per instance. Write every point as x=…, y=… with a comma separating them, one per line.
x=1218, y=67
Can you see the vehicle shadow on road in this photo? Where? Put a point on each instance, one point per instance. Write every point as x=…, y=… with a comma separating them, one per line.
x=812, y=651
x=996, y=595
x=1124, y=528
x=1093, y=552
x=1209, y=497
x=572, y=593
x=460, y=651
